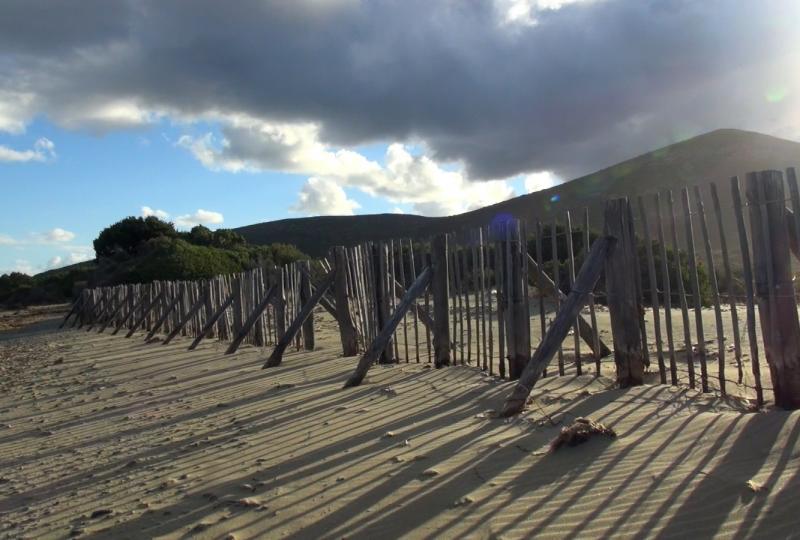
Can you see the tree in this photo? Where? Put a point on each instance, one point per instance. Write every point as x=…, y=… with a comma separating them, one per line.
x=12, y=282
x=226, y=238
x=126, y=235
x=201, y=236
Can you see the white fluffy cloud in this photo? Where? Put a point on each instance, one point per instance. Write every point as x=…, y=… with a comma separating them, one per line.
x=16, y=108
x=432, y=189
x=43, y=150
x=200, y=217
x=321, y=196
x=24, y=266
x=160, y=214
x=540, y=180
x=80, y=254
x=57, y=235
x=525, y=11
x=84, y=254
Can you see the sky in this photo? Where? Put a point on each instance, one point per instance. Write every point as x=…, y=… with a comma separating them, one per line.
x=227, y=114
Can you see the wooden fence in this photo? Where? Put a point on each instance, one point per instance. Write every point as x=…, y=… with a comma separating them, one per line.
x=688, y=274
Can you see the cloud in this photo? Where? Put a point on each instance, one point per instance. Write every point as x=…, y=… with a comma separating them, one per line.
x=540, y=180
x=200, y=217
x=16, y=109
x=71, y=258
x=24, y=266
x=160, y=214
x=251, y=145
x=525, y=12
x=323, y=197
x=500, y=87
x=79, y=256
x=56, y=235
x=43, y=150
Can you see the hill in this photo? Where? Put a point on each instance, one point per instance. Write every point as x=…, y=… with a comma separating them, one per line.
x=714, y=156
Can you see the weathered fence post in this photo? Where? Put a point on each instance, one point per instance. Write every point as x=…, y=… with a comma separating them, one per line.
x=585, y=282
x=441, y=307
x=381, y=258
x=280, y=305
x=777, y=306
x=694, y=282
x=347, y=330
x=519, y=339
x=276, y=357
x=747, y=275
x=251, y=320
x=305, y=296
x=382, y=339
x=624, y=304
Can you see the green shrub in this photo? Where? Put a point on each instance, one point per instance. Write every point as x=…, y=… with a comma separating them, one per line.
x=126, y=235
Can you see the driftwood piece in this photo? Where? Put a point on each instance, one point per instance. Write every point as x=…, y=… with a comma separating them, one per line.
x=584, y=284
x=380, y=343
x=579, y=431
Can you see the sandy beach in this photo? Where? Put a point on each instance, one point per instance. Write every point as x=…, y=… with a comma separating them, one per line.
x=107, y=437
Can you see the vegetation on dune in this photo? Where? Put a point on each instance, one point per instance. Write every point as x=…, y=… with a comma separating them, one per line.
x=17, y=289
x=170, y=258
x=142, y=250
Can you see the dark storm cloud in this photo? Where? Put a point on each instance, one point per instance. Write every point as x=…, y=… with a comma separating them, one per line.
x=48, y=27
x=589, y=84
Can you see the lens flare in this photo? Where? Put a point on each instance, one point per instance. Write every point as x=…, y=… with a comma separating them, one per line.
x=777, y=94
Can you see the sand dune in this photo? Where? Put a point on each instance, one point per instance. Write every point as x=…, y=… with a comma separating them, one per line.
x=113, y=438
